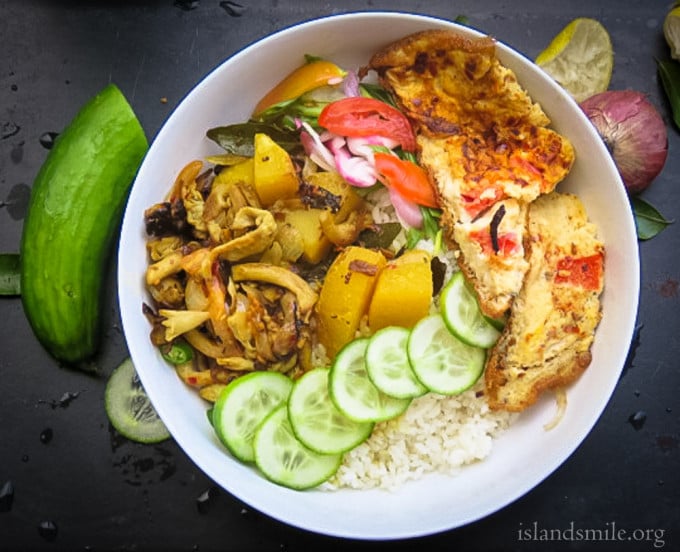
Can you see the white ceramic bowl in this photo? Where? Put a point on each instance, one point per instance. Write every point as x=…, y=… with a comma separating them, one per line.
x=525, y=454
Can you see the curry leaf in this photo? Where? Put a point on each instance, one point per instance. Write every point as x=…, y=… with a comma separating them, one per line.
x=669, y=72
x=10, y=274
x=238, y=139
x=648, y=221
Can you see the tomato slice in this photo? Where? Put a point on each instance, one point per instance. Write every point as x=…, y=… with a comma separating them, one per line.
x=360, y=116
x=407, y=178
x=506, y=244
x=584, y=272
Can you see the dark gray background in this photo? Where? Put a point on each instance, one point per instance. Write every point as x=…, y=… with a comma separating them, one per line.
x=103, y=493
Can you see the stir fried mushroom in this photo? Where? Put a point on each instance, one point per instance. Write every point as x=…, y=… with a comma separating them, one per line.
x=260, y=228
x=347, y=232
x=167, y=266
x=192, y=198
x=223, y=272
x=261, y=272
x=168, y=218
x=178, y=322
x=169, y=292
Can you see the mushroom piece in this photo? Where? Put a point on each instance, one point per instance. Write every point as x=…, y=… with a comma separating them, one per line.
x=278, y=276
x=167, y=266
x=344, y=233
x=169, y=292
x=178, y=322
x=261, y=229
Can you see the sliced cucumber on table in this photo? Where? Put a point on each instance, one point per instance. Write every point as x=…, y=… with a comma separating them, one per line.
x=129, y=409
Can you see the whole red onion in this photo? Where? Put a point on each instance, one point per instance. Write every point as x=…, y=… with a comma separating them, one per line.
x=634, y=133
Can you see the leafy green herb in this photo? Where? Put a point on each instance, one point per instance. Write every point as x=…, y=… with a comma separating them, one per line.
x=238, y=139
x=430, y=229
x=669, y=73
x=307, y=108
x=648, y=221
x=462, y=19
x=380, y=236
x=10, y=274
x=377, y=92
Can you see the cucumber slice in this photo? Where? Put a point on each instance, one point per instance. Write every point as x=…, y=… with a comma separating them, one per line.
x=462, y=315
x=441, y=361
x=317, y=422
x=129, y=409
x=283, y=459
x=387, y=364
x=354, y=393
x=243, y=405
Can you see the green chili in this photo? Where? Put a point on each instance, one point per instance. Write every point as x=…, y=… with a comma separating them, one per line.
x=179, y=352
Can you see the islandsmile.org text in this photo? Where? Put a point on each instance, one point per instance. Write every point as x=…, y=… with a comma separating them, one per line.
x=608, y=532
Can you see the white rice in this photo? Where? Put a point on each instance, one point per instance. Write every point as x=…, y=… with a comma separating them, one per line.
x=436, y=434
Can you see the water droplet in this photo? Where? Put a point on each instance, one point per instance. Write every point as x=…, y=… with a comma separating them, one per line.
x=669, y=409
x=232, y=8
x=14, y=88
x=17, y=153
x=6, y=496
x=47, y=530
x=638, y=419
x=8, y=128
x=206, y=499
x=24, y=458
x=187, y=5
x=636, y=392
x=66, y=399
x=47, y=139
x=17, y=201
x=46, y=435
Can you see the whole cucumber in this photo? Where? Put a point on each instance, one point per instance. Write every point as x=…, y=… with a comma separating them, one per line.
x=73, y=217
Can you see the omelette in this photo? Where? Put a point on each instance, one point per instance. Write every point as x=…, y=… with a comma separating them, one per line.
x=547, y=340
x=486, y=146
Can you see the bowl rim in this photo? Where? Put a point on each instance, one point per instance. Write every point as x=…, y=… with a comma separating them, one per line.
x=274, y=510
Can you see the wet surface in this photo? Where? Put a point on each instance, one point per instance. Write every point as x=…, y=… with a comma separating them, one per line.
x=69, y=482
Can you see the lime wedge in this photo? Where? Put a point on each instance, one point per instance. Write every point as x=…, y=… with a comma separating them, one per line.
x=580, y=58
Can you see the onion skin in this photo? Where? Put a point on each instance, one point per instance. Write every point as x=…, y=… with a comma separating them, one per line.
x=633, y=131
